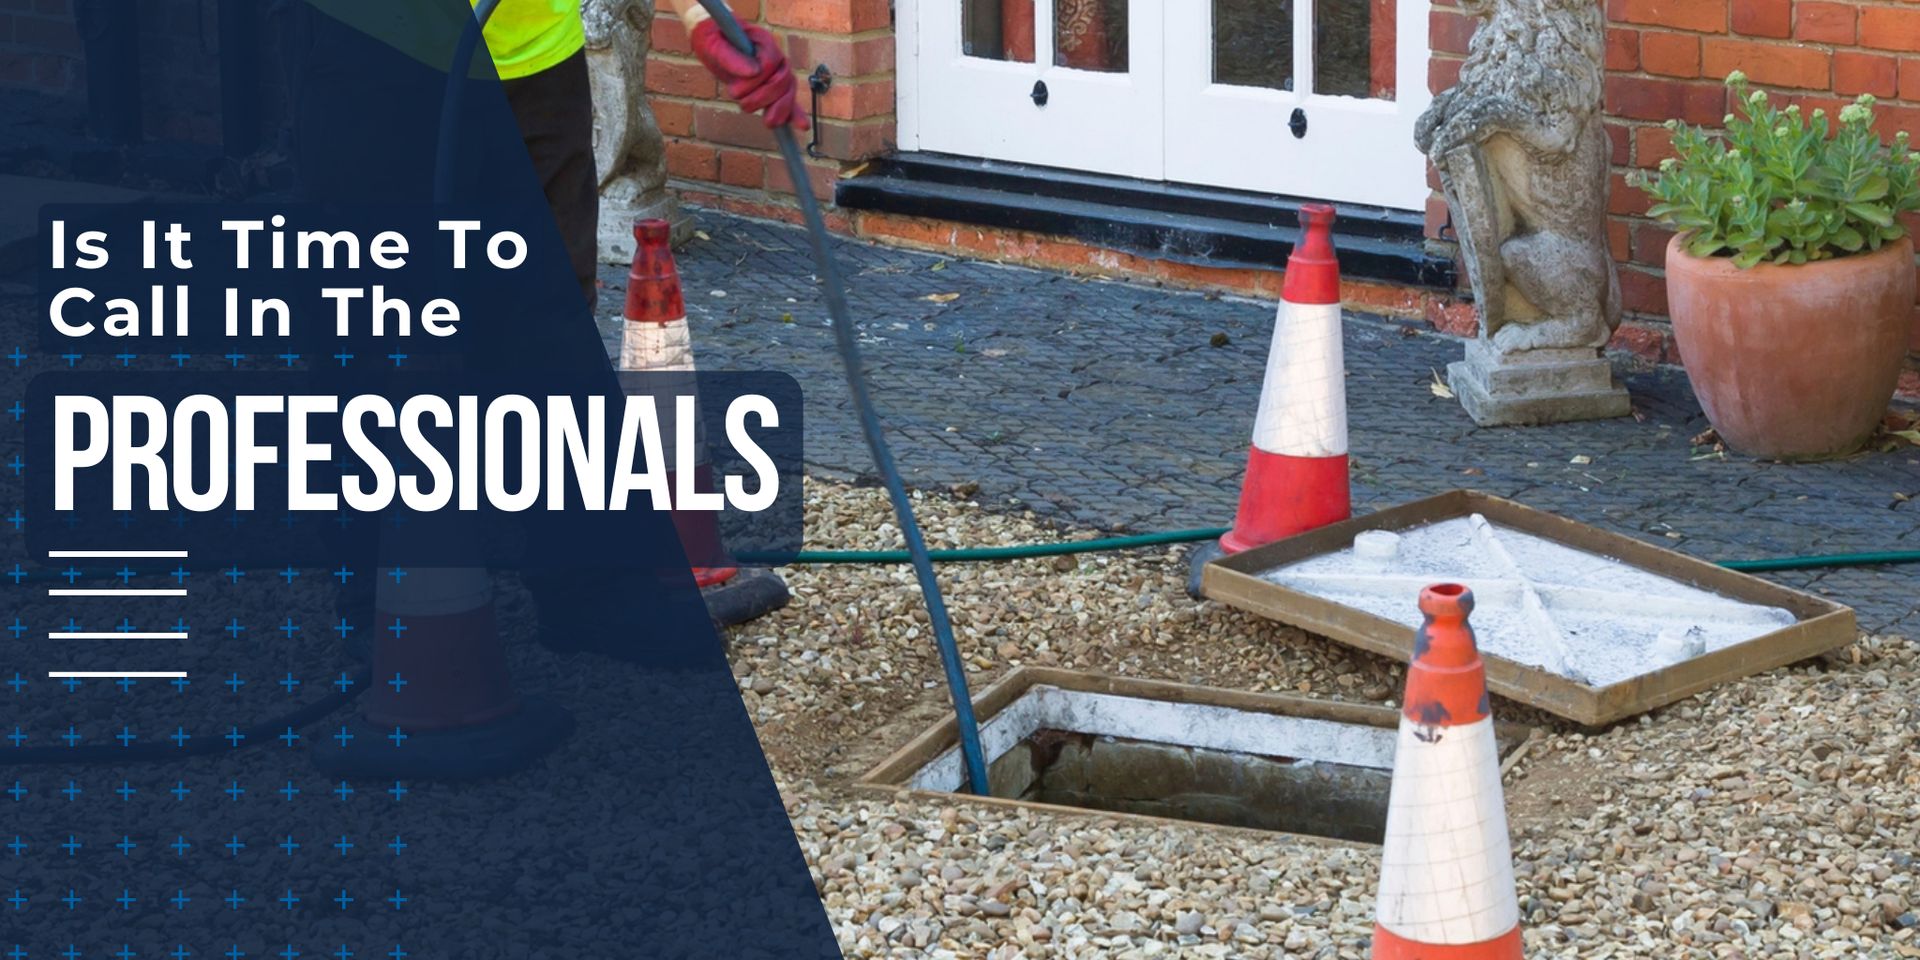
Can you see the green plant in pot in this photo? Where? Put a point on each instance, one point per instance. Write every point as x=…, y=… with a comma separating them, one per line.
x=1791, y=279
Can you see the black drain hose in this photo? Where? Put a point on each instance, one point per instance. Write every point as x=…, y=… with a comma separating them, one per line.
x=843, y=338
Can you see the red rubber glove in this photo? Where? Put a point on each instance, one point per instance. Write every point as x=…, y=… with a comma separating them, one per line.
x=761, y=84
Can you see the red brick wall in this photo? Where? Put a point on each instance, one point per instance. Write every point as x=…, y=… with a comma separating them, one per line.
x=1667, y=58
x=709, y=139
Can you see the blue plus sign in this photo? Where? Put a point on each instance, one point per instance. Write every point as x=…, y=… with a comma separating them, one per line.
x=17, y=410
x=397, y=573
x=289, y=628
x=288, y=899
x=233, y=628
x=71, y=683
x=126, y=899
x=180, y=359
x=234, y=683
x=17, y=574
x=180, y=736
x=126, y=791
x=180, y=790
x=125, y=846
x=17, y=628
x=343, y=628
x=71, y=952
x=180, y=900
x=343, y=953
x=397, y=900
x=125, y=683
x=289, y=953
x=17, y=737
x=234, y=790
x=289, y=738
x=343, y=574
x=234, y=952
x=233, y=573
x=234, y=900
x=180, y=574
x=398, y=790
x=72, y=790
x=17, y=953
x=396, y=845
x=233, y=360
x=342, y=357
x=343, y=736
x=289, y=846
x=397, y=683
x=234, y=736
x=126, y=737
x=19, y=902
x=72, y=736
x=399, y=359
x=343, y=845
x=16, y=464
x=343, y=900
x=17, y=845
x=289, y=573
x=72, y=900
x=17, y=792
x=397, y=629
x=180, y=846
x=125, y=626
x=289, y=683
x=344, y=790
x=234, y=845
x=16, y=356
x=398, y=954
x=126, y=359
x=17, y=682
x=126, y=574
x=125, y=952
x=73, y=845
x=398, y=736
x=289, y=791
x=17, y=518
x=345, y=682
x=180, y=683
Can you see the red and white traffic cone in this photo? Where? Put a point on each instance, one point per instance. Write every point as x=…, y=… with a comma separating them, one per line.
x=1446, y=869
x=655, y=340
x=441, y=703
x=1296, y=476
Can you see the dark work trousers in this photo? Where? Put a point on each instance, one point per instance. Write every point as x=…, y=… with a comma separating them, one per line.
x=555, y=110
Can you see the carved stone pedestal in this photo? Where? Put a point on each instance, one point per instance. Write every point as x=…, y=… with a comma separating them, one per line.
x=628, y=149
x=1536, y=386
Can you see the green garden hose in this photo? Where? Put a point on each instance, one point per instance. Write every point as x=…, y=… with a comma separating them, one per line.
x=1028, y=551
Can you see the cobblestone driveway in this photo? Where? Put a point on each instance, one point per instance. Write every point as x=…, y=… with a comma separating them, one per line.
x=1107, y=404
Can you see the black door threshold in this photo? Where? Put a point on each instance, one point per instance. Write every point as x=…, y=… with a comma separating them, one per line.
x=1206, y=226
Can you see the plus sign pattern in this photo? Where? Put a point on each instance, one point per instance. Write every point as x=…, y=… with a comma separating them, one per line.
x=1128, y=407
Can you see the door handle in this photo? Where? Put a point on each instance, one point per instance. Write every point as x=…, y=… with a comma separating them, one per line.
x=1298, y=123
x=1039, y=93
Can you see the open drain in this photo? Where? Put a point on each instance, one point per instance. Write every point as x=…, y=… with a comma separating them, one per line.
x=1066, y=740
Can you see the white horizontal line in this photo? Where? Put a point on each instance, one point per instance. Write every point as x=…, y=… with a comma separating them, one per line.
x=134, y=592
x=117, y=635
x=107, y=674
x=135, y=554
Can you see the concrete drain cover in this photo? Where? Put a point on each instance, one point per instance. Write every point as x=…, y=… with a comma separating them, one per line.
x=1059, y=739
x=1578, y=621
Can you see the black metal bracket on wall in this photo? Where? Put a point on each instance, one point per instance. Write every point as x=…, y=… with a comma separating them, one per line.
x=819, y=81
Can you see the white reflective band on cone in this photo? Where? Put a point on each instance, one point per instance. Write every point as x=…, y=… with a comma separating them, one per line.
x=656, y=346
x=1446, y=868
x=433, y=591
x=1303, y=403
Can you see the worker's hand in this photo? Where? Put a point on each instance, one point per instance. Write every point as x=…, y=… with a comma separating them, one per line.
x=761, y=83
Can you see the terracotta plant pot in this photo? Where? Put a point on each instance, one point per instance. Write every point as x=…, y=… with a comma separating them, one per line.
x=1793, y=362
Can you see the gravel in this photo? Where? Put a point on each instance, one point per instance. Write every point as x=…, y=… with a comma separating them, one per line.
x=1775, y=816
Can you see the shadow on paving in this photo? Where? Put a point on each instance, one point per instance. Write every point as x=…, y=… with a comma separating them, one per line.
x=1105, y=404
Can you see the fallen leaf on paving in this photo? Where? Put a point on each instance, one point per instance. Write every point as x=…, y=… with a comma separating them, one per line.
x=1910, y=436
x=1439, y=387
x=942, y=265
x=941, y=297
x=702, y=235
x=1581, y=458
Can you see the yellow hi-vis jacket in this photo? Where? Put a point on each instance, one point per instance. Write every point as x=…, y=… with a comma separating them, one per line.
x=523, y=36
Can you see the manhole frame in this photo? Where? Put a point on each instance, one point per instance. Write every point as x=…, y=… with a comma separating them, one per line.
x=1822, y=624
x=893, y=774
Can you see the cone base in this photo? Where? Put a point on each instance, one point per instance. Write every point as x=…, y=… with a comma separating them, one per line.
x=1197, y=566
x=749, y=595
x=479, y=752
x=1388, y=945
x=1283, y=495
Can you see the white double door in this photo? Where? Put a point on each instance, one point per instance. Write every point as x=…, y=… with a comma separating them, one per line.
x=1307, y=98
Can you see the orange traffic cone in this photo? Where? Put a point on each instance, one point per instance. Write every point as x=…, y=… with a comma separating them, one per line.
x=1446, y=870
x=440, y=704
x=1297, y=464
x=655, y=340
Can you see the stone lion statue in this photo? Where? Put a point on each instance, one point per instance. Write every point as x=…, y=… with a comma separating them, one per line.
x=1523, y=160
